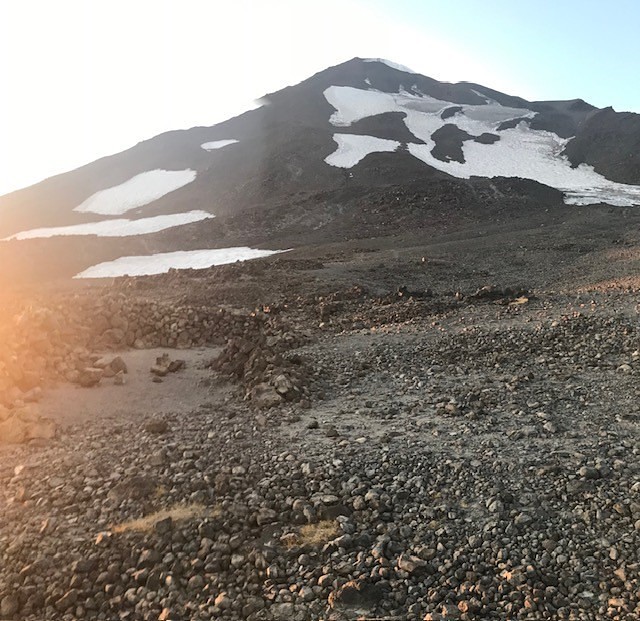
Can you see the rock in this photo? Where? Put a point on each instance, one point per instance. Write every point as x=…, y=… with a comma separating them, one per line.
x=102, y=363
x=90, y=377
x=136, y=487
x=159, y=370
x=331, y=432
x=9, y=605
x=24, y=424
x=195, y=583
x=103, y=539
x=285, y=612
x=356, y=596
x=496, y=506
x=119, y=379
x=156, y=426
x=222, y=601
x=264, y=396
x=67, y=600
x=411, y=564
x=306, y=594
x=118, y=365
x=587, y=472
x=84, y=566
x=159, y=458
x=164, y=365
x=164, y=526
x=266, y=516
x=176, y=365
x=282, y=384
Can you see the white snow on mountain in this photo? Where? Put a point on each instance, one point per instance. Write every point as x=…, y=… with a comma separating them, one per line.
x=483, y=96
x=162, y=262
x=136, y=192
x=217, y=144
x=520, y=152
x=120, y=227
x=352, y=148
x=615, y=195
x=353, y=104
x=389, y=63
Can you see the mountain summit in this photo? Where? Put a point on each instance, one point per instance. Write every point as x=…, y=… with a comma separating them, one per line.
x=311, y=158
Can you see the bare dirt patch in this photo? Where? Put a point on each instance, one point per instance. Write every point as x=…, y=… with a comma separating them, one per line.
x=139, y=397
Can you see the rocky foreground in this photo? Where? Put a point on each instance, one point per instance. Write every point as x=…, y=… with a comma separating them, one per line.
x=407, y=456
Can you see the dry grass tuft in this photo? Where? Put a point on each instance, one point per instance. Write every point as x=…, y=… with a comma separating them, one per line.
x=320, y=533
x=178, y=513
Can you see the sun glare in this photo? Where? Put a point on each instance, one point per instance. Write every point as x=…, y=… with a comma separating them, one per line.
x=110, y=74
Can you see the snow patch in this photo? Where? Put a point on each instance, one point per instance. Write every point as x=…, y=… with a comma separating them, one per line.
x=217, y=144
x=120, y=227
x=533, y=154
x=136, y=192
x=483, y=96
x=354, y=104
x=162, y=262
x=520, y=152
x=352, y=148
x=618, y=197
x=389, y=63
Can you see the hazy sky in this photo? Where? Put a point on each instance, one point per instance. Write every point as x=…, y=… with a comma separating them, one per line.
x=80, y=79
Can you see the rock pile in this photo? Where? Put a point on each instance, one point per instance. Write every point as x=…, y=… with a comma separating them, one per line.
x=262, y=362
x=164, y=365
x=57, y=340
x=23, y=424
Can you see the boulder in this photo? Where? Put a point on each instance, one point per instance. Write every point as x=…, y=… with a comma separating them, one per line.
x=90, y=377
x=264, y=396
x=357, y=597
x=24, y=424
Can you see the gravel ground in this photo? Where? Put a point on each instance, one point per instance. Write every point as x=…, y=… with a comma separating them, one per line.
x=460, y=457
x=479, y=464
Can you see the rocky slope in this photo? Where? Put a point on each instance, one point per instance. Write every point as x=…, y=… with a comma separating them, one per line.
x=435, y=444
x=309, y=159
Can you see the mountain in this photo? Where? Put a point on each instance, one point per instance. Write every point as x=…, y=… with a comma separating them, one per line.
x=356, y=150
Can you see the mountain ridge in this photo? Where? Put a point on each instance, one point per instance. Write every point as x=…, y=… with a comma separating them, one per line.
x=320, y=136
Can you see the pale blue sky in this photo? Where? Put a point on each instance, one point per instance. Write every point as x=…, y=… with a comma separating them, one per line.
x=82, y=79
x=561, y=48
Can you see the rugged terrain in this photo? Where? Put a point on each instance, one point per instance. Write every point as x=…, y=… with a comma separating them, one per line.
x=324, y=161
x=437, y=423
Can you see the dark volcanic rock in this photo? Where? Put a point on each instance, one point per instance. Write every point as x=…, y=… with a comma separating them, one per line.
x=487, y=138
x=610, y=142
x=389, y=125
x=449, y=140
x=449, y=112
x=356, y=596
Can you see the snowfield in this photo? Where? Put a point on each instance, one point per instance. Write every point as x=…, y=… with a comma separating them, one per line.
x=162, y=262
x=136, y=192
x=120, y=227
x=352, y=148
x=520, y=152
x=217, y=144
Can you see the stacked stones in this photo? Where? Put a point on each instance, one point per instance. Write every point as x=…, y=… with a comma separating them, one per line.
x=259, y=360
x=57, y=342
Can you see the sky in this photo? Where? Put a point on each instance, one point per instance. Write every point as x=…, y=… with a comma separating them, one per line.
x=81, y=79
